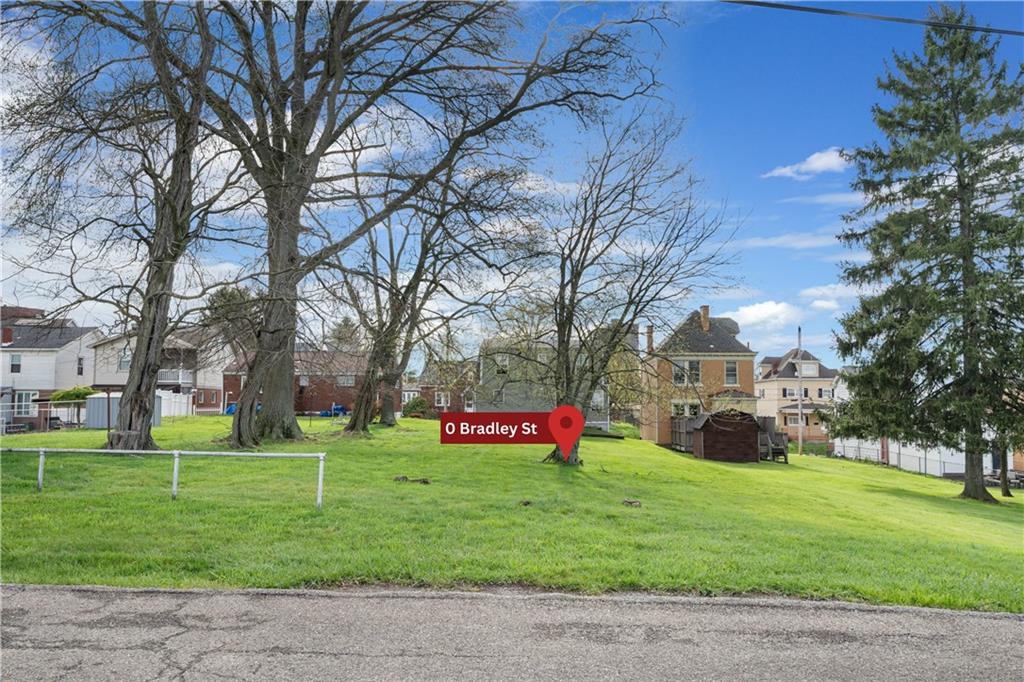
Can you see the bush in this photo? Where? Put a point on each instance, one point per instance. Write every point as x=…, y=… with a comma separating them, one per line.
x=416, y=406
x=76, y=393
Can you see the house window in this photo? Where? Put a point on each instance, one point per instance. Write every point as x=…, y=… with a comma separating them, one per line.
x=682, y=408
x=202, y=397
x=15, y=363
x=467, y=402
x=732, y=373
x=80, y=368
x=688, y=372
x=124, y=361
x=824, y=392
x=23, y=405
x=303, y=380
x=760, y=393
x=809, y=369
x=345, y=380
x=441, y=399
x=806, y=395
x=408, y=395
x=213, y=397
x=792, y=420
x=501, y=363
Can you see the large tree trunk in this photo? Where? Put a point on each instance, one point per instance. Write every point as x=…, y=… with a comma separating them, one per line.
x=169, y=241
x=365, y=405
x=974, y=478
x=1004, y=464
x=386, y=389
x=138, y=398
x=272, y=372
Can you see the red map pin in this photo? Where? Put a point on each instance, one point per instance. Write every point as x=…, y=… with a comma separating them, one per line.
x=566, y=424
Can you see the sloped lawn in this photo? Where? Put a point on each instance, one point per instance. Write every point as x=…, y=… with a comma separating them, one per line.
x=817, y=527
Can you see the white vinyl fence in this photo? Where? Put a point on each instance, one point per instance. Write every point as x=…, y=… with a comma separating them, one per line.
x=933, y=461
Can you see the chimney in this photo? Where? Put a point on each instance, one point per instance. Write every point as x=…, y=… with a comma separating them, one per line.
x=650, y=338
x=8, y=335
x=705, y=318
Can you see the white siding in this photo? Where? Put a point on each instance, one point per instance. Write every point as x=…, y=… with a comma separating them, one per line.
x=37, y=370
x=67, y=362
x=105, y=362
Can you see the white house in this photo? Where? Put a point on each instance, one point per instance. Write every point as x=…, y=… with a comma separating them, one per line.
x=40, y=356
x=193, y=364
x=937, y=461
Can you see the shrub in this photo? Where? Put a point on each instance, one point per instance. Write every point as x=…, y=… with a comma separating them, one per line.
x=416, y=406
x=76, y=393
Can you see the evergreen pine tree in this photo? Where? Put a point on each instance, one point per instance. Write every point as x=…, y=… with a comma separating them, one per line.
x=938, y=335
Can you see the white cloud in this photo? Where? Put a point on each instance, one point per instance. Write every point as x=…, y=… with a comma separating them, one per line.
x=847, y=256
x=777, y=344
x=825, y=304
x=766, y=315
x=791, y=240
x=826, y=161
x=827, y=199
x=836, y=291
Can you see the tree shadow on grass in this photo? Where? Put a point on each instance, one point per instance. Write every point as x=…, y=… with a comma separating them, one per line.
x=951, y=503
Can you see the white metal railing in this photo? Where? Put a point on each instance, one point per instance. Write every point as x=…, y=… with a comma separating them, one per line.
x=177, y=376
x=178, y=454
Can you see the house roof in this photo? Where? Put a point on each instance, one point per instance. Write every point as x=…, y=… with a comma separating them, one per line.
x=317, y=363
x=732, y=393
x=44, y=336
x=808, y=407
x=453, y=370
x=784, y=367
x=690, y=337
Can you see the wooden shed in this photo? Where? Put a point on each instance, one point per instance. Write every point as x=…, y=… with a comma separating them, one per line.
x=727, y=436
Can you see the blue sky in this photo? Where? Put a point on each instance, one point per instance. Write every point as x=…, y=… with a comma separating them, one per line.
x=765, y=89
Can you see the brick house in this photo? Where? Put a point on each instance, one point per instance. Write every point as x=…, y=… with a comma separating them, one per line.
x=701, y=367
x=449, y=385
x=323, y=379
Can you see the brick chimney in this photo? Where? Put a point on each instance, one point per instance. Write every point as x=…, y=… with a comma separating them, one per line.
x=650, y=338
x=8, y=335
x=705, y=318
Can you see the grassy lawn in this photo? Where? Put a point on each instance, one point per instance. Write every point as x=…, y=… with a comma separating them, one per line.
x=815, y=528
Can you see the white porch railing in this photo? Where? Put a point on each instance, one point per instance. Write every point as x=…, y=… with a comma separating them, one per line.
x=185, y=377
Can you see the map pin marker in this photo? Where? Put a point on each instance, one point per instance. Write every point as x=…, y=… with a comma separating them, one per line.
x=566, y=424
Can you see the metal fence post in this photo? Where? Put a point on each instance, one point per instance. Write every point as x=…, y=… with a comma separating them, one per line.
x=39, y=475
x=320, y=483
x=174, y=478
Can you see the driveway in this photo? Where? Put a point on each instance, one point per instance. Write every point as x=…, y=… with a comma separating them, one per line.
x=396, y=634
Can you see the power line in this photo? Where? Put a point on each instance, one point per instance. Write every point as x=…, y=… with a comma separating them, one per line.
x=877, y=17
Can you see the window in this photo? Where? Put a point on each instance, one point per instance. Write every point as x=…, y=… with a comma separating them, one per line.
x=732, y=373
x=408, y=395
x=786, y=393
x=760, y=393
x=23, y=405
x=441, y=399
x=597, y=402
x=501, y=363
x=213, y=397
x=824, y=392
x=682, y=408
x=467, y=402
x=15, y=363
x=80, y=369
x=806, y=395
x=202, y=397
x=345, y=380
x=303, y=380
x=687, y=372
x=809, y=369
x=792, y=420
x=124, y=361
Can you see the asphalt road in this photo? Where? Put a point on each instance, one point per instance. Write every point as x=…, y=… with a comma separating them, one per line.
x=397, y=634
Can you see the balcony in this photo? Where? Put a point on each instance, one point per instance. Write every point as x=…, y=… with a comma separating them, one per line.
x=183, y=377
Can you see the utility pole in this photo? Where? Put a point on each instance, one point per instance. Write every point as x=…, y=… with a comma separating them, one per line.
x=799, y=391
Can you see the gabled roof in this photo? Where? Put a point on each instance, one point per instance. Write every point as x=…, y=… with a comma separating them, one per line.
x=784, y=367
x=44, y=336
x=690, y=337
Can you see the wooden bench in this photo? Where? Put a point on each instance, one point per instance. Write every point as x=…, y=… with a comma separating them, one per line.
x=15, y=428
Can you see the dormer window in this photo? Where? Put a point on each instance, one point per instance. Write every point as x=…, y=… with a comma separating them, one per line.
x=809, y=369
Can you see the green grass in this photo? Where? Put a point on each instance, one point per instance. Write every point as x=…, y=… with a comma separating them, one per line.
x=820, y=449
x=817, y=527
